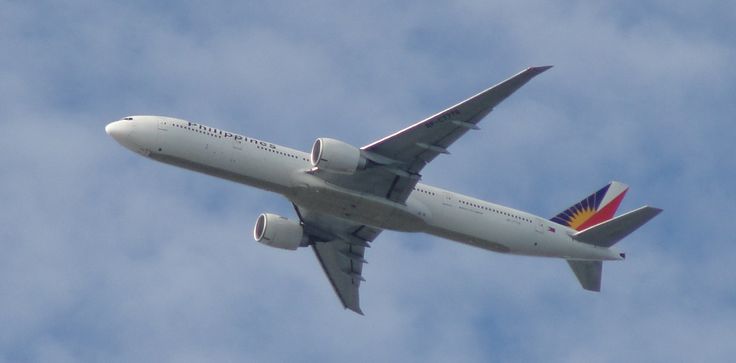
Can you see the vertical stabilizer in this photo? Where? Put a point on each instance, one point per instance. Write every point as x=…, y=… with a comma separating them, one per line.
x=593, y=218
x=593, y=209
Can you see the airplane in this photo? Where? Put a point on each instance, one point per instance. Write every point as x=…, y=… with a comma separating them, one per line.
x=344, y=196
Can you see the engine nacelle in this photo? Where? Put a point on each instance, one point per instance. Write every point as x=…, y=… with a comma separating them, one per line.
x=277, y=231
x=336, y=156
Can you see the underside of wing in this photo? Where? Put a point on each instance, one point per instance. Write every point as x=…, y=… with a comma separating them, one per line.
x=342, y=273
x=340, y=248
x=416, y=145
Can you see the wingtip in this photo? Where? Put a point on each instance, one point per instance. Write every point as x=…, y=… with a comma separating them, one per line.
x=356, y=310
x=540, y=69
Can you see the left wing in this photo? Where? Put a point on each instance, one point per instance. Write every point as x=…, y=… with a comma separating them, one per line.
x=340, y=248
x=415, y=146
x=396, y=160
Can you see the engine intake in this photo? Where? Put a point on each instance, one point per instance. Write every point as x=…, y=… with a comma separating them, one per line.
x=336, y=156
x=277, y=231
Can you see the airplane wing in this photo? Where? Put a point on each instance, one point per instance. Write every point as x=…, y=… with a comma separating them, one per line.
x=340, y=248
x=398, y=158
x=393, y=171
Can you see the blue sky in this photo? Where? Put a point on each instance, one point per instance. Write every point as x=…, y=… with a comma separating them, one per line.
x=107, y=256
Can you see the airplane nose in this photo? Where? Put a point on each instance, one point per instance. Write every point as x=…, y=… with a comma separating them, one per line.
x=138, y=136
x=119, y=130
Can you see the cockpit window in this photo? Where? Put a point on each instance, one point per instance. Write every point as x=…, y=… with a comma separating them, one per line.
x=128, y=118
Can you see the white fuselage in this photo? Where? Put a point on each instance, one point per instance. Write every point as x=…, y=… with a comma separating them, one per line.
x=286, y=171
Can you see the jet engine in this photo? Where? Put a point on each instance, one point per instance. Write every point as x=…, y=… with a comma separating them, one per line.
x=277, y=231
x=336, y=156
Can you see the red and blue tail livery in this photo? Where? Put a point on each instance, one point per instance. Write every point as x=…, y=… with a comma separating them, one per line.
x=596, y=208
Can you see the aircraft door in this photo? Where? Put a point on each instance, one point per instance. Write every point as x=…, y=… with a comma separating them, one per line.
x=448, y=199
x=539, y=225
x=162, y=139
x=163, y=124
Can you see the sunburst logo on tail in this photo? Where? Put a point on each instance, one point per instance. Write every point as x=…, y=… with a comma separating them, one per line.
x=579, y=217
x=596, y=208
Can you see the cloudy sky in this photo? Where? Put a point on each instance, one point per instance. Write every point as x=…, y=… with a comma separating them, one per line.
x=107, y=256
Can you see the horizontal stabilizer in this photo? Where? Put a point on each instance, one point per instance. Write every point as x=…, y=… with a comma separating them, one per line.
x=608, y=233
x=588, y=273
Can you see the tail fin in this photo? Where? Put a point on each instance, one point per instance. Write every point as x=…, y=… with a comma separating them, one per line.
x=606, y=234
x=595, y=208
x=593, y=218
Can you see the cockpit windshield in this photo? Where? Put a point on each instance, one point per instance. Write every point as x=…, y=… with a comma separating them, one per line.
x=128, y=118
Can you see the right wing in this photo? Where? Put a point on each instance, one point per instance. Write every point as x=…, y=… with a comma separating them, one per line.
x=340, y=248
